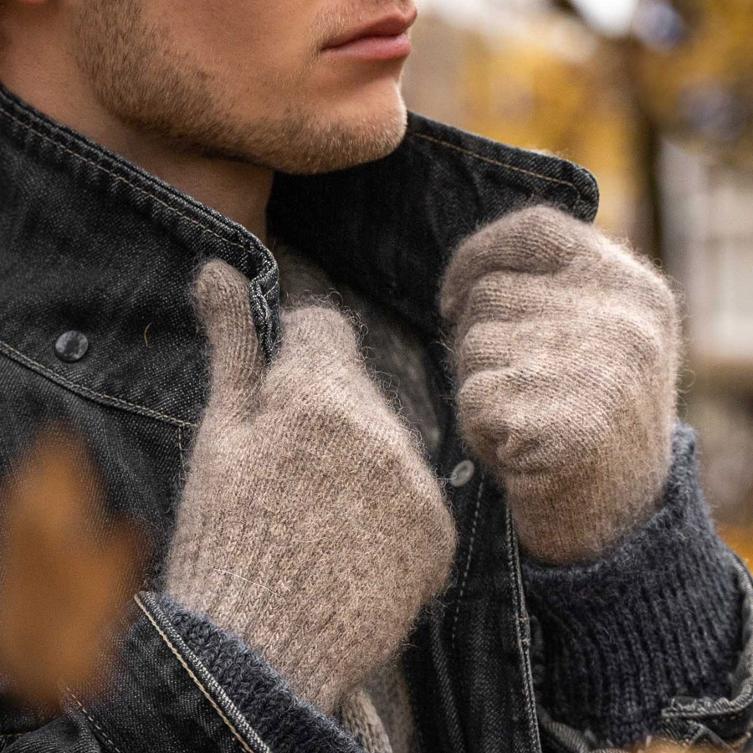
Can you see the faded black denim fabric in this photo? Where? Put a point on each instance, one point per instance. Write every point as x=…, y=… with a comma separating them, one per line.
x=91, y=243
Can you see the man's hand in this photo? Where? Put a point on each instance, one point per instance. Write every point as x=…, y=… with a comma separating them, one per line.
x=566, y=347
x=310, y=524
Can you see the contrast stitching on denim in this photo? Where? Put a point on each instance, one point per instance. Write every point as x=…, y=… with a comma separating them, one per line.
x=107, y=738
x=491, y=161
x=467, y=569
x=206, y=229
x=513, y=567
x=260, y=307
x=101, y=397
x=267, y=267
x=180, y=452
x=244, y=745
x=699, y=734
x=122, y=179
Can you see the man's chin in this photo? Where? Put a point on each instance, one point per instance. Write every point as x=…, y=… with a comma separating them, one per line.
x=345, y=143
x=299, y=143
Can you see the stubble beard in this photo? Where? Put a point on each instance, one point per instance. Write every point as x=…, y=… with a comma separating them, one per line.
x=140, y=79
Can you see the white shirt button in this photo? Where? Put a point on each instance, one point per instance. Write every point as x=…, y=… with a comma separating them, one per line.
x=462, y=473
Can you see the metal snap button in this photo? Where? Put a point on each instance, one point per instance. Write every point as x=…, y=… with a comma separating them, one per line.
x=462, y=473
x=71, y=346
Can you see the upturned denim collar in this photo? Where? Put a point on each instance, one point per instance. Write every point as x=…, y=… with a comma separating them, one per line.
x=387, y=226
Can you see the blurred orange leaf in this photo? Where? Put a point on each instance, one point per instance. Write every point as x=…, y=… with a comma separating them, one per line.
x=66, y=573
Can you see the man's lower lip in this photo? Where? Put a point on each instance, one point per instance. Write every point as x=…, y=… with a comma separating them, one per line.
x=374, y=48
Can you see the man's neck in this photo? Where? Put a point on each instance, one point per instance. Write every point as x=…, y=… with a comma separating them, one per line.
x=50, y=81
x=237, y=189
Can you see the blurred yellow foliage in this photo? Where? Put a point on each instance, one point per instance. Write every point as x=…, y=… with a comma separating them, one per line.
x=699, y=85
x=740, y=540
x=546, y=82
x=530, y=92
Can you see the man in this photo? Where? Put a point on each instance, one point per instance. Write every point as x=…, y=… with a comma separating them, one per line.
x=297, y=507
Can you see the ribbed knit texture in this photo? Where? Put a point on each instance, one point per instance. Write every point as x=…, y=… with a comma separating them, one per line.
x=566, y=348
x=310, y=523
x=277, y=714
x=659, y=616
x=359, y=717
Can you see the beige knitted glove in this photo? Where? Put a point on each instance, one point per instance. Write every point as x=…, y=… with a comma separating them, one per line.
x=310, y=525
x=566, y=347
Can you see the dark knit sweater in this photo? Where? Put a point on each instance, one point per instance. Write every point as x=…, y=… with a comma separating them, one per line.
x=261, y=695
x=658, y=617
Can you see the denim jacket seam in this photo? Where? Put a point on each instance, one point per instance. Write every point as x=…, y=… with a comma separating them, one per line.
x=264, y=273
x=122, y=179
x=521, y=623
x=244, y=745
x=107, y=739
x=498, y=163
x=685, y=714
x=469, y=557
x=87, y=392
x=260, y=307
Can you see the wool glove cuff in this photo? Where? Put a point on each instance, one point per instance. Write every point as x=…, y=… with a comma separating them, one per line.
x=658, y=616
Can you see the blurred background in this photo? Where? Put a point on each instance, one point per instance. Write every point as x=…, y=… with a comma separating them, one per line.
x=655, y=97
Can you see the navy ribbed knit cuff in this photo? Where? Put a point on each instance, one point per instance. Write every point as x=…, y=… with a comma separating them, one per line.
x=283, y=719
x=659, y=616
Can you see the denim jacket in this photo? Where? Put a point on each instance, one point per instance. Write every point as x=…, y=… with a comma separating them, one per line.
x=94, y=246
